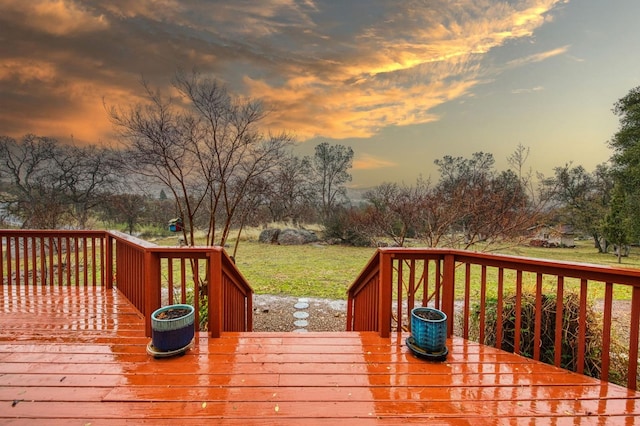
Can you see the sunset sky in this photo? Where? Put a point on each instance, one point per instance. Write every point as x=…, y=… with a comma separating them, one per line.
x=401, y=82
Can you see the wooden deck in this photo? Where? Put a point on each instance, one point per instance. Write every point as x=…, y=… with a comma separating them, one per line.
x=78, y=356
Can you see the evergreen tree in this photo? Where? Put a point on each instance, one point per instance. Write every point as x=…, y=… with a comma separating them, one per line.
x=626, y=157
x=616, y=225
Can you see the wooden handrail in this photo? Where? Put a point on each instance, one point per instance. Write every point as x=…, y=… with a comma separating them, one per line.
x=147, y=274
x=445, y=278
x=45, y=257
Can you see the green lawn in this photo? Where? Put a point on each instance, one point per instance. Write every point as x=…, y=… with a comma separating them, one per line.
x=309, y=270
x=327, y=271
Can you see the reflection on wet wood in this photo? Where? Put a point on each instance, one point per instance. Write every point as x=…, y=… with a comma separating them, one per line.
x=78, y=356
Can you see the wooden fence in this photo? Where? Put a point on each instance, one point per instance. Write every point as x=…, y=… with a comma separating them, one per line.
x=150, y=276
x=476, y=289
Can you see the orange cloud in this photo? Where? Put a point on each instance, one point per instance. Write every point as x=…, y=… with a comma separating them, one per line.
x=57, y=17
x=399, y=72
x=325, y=69
x=369, y=162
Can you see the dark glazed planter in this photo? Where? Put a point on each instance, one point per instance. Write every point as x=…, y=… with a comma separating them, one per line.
x=171, y=334
x=429, y=329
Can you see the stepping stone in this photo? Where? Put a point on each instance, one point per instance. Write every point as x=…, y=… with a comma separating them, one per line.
x=300, y=330
x=301, y=305
x=301, y=323
x=301, y=315
x=303, y=300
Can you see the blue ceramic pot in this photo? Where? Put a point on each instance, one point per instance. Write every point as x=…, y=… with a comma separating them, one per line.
x=172, y=333
x=429, y=334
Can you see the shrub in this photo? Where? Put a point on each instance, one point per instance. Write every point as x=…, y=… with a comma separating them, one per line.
x=343, y=225
x=570, y=332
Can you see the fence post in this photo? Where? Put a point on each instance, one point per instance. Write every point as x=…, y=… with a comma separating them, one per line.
x=633, y=339
x=448, y=290
x=151, y=290
x=107, y=261
x=386, y=294
x=215, y=303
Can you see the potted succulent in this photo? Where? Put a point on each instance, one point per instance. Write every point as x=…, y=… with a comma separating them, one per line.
x=172, y=329
x=428, y=333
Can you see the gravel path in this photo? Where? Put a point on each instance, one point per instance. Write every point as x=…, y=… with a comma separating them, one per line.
x=285, y=313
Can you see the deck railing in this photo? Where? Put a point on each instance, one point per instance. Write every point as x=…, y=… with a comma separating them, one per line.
x=150, y=276
x=42, y=257
x=473, y=287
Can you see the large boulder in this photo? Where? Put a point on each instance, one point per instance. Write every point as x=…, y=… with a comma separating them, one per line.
x=269, y=236
x=296, y=237
x=287, y=237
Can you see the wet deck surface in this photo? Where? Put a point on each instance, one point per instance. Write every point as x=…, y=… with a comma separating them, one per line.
x=78, y=356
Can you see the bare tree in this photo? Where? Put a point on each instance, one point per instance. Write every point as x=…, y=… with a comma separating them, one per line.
x=290, y=195
x=33, y=192
x=482, y=206
x=87, y=173
x=206, y=147
x=128, y=208
x=397, y=211
x=329, y=172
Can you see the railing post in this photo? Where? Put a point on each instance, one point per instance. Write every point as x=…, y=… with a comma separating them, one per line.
x=151, y=290
x=386, y=294
x=107, y=261
x=350, y=302
x=448, y=290
x=633, y=339
x=215, y=293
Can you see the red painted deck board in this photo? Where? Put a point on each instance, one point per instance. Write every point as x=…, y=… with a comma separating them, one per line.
x=78, y=356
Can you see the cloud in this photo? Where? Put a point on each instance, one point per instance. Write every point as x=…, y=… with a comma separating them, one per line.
x=56, y=17
x=538, y=57
x=333, y=69
x=527, y=90
x=369, y=162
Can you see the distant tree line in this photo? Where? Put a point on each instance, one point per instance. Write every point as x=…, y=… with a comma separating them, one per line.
x=202, y=156
x=49, y=185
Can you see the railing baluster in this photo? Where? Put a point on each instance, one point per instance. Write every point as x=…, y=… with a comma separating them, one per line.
x=196, y=290
x=34, y=261
x=68, y=259
x=537, y=339
x=400, y=297
x=518, y=320
x=425, y=282
x=2, y=244
x=499, y=308
x=411, y=294
x=59, y=255
x=43, y=262
x=183, y=282
x=170, y=288
x=632, y=377
x=51, y=276
x=25, y=260
x=85, y=270
x=438, y=284
x=582, y=327
x=606, y=331
x=483, y=301
x=559, y=317
x=467, y=302
x=9, y=267
x=17, y=260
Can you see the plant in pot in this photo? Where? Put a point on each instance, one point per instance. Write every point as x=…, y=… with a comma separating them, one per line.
x=428, y=333
x=172, y=330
